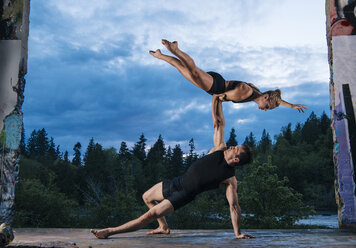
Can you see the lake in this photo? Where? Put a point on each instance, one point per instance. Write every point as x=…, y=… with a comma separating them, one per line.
x=331, y=221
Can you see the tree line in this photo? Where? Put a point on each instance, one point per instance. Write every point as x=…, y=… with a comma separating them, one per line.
x=291, y=178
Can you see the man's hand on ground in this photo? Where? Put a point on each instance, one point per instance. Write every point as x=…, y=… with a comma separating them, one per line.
x=244, y=236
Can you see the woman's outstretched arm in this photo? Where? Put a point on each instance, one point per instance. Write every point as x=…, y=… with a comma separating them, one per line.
x=299, y=107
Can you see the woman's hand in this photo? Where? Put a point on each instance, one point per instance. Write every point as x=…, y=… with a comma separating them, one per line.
x=300, y=107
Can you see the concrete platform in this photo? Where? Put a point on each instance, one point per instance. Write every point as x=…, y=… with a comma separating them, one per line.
x=185, y=238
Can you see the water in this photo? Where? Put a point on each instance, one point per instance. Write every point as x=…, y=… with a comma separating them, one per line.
x=330, y=221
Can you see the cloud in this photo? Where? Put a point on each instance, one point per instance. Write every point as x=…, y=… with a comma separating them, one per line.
x=177, y=112
x=246, y=120
x=90, y=74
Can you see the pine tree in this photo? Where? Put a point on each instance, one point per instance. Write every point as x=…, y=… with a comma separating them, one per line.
x=65, y=157
x=154, y=171
x=77, y=159
x=22, y=142
x=32, y=146
x=250, y=141
x=265, y=143
x=232, y=139
x=139, y=148
x=192, y=156
x=177, y=161
x=311, y=129
x=287, y=132
x=124, y=152
x=42, y=143
x=52, y=153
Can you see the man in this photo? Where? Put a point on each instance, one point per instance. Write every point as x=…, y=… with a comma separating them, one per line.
x=213, y=170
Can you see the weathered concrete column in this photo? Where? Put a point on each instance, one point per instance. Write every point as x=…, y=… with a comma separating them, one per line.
x=341, y=39
x=14, y=27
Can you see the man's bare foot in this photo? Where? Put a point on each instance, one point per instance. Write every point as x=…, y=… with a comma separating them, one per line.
x=171, y=46
x=160, y=230
x=157, y=54
x=101, y=234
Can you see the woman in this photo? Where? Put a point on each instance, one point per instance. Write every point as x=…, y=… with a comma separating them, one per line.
x=214, y=83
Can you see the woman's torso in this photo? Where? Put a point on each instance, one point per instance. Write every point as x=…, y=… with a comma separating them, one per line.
x=239, y=91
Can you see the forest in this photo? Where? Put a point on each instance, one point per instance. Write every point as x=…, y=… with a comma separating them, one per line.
x=291, y=178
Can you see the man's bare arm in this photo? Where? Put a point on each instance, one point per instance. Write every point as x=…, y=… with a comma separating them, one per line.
x=235, y=210
x=219, y=124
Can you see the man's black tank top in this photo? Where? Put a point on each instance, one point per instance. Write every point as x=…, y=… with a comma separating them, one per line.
x=207, y=173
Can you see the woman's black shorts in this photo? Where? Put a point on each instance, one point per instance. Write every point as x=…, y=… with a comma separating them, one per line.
x=173, y=191
x=218, y=86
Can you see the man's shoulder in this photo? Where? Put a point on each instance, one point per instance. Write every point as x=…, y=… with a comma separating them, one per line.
x=221, y=147
x=230, y=181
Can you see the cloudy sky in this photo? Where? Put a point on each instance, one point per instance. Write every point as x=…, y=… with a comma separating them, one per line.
x=90, y=73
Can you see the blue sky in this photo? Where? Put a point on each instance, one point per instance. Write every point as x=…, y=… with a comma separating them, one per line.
x=90, y=74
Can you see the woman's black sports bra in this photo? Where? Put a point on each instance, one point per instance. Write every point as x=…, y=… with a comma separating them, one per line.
x=255, y=93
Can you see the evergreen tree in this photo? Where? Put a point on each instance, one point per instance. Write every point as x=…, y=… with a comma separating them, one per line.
x=324, y=123
x=42, y=143
x=287, y=132
x=32, y=146
x=95, y=167
x=58, y=152
x=124, y=153
x=139, y=148
x=232, y=139
x=250, y=141
x=177, y=162
x=265, y=142
x=311, y=129
x=77, y=159
x=65, y=157
x=155, y=162
x=38, y=145
x=52, y=153
x=22, y=142
x=192, y=156
x=122, y=171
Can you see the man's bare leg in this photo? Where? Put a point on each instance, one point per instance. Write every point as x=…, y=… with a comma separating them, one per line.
x=203, y=79
x=151, y=197
x=176, y=63
x=158, y=211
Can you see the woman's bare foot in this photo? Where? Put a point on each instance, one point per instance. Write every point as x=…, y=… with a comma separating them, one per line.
x=101, y=234
x=160, y=230
x=171, y=46
x=157, y=54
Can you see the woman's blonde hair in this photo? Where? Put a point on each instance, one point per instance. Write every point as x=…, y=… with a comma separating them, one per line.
x=274, y=97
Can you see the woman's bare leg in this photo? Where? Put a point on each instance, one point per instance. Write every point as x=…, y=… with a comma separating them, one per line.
x=176, y=63
x=151, y=198
x=203, y=79
x=161, y=209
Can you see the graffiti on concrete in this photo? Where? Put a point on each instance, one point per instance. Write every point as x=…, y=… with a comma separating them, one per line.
x=341, y=38
x=343, y=17
x=13, y=66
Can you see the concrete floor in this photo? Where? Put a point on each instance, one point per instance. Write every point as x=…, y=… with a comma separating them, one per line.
x=184, y=238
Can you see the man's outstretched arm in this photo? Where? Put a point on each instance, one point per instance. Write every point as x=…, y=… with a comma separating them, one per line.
x=219, y=124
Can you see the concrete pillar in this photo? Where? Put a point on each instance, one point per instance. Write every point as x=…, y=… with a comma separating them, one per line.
x=14, y=27
x=341, y=39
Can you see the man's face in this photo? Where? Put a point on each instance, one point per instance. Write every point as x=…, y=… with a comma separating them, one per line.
x=234, y=152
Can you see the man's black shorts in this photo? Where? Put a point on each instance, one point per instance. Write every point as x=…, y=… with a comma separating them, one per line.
x=173, y=191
